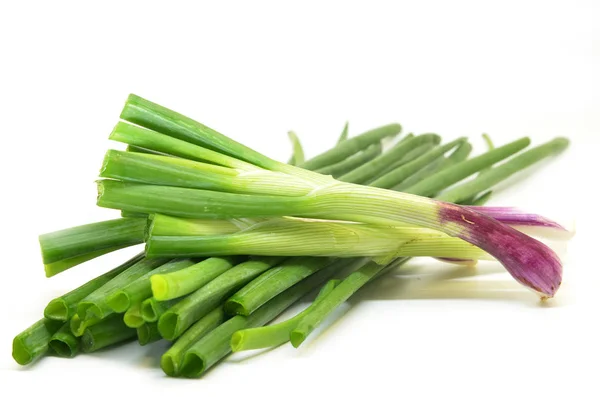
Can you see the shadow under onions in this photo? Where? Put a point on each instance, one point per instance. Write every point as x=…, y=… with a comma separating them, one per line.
x=153, y=352
x=415, y=280
x=449, y=282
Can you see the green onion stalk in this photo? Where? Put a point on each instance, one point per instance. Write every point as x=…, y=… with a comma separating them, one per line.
x=140, y=289
x=275, y=281
x=65, y=306
x=220, y=178
x=64, y=343
x=33, y=343
x=323, y=305
x=96, y=304
x=66, y=248
x=309, y=237
x=133, y=316
x=208, y=350
x=171, y=285
x=172, y=360
x=110, y=331
x=179, y=317
x=276, y=334
x=152, y=308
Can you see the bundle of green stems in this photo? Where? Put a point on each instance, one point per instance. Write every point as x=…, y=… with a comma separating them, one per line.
x=211, y=284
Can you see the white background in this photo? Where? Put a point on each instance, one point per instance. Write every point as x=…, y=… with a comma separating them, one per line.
x=254, y=70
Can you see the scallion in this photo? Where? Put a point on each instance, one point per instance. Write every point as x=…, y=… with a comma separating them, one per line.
x=276, y=334
x=196, y=305
x=64, y=307
x=140, y=289
x=380, y=163
x=503, y=171
x=66, y=248
x=172, y=359
x=32, y=343
x=64, y=343
x=273, y=282
x=175, y=284
x=110, y=331
x=133, y=316
x=152, y=308
x=534, y=264
x=339, y=295
x=207, y=351
x=347, y=165
x=351, y=146
x=96, y=305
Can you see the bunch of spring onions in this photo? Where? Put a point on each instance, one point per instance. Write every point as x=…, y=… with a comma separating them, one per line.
x=233, y=238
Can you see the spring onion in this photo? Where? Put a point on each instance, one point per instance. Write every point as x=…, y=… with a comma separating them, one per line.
x=207, y=351
x=351, y=146
x=276, y=334
x=133, y=316
x=458, y=155
x=152, y=308
x=140, y=289
x=69, y=247
x=54, y=268
x=189, y=192
x=349, y=164
x=63, y=307
x=380, y=163
x=110, y=331
x=340, y=294
x=308, y=237
x=172, y=359
x=472, y=199
x=273, y=282
x=533, y=264
x=172, y=171
x=503, y=171
x=398, y=175
x=96, y=305
x=193, y=307
x=179, y=283
x=64, y=343
x=451, y=175
x=32, y=343
x=408, y=157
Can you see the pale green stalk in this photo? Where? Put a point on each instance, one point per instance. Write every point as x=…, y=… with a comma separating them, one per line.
x=302, y=237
